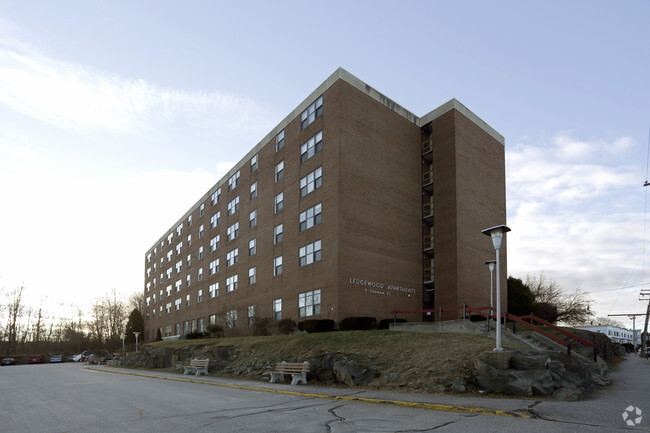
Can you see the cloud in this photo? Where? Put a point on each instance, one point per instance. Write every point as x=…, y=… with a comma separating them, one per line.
x=578, y=222
x=75, y=97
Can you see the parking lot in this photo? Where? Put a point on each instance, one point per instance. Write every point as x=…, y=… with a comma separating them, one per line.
x=73, y=397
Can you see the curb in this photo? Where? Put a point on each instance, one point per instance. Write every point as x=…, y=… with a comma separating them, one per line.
x=416, y=405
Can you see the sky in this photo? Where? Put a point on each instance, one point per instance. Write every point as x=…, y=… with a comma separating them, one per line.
x=117, y=116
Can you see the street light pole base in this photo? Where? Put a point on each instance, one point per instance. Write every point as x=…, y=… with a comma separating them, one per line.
x=498, y=349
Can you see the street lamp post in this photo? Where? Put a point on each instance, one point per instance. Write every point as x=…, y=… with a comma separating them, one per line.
x=137, y=334
x=496, y=233
x=491, y=264
x=123, y=337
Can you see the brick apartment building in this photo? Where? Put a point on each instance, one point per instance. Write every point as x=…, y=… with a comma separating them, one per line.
x=341, y=210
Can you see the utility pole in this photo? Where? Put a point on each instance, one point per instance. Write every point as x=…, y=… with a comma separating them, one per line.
x=644, y=335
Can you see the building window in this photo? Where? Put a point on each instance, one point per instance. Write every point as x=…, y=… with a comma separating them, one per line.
x=279, y=171
x=199, y=297
x=169, y=273
x=314, y=111
x=169, y=238
x=309, y=303
x=233, y=181
x=189, y=221
x=179, y=229
x=179, y=247
x=251, y=275
x=254, y=163
x=169, y=256
x=214, y=220
x=312, y=181
x=201, y=209
x=277, y=266
x=149, y=258
x=187, y=300
x=177, y=304
x=168, y=331
x=279, y=202
x=148, y=301
x=188, y=281
x=200, y=274
x=168, y=307
x=179, y=266
x=233, y=206
x=214, y=243
x=212, y=319
x=231, y=283
x=168, y=290
x=279, y=141
x=252, y=247
x=214, y=266
x=200, y=252
x=277, y=234
x=310, y=253
x=178, y=284
x=231, y=319
x=277, y=309
x=252, y=219
x=311, y=147
x=233, y=231
x=189, y=240
x=311, y=217
x=251, y=315
x=213, y=290
x=200, y=231
x=253, y=190
x=214, y=198
x=232, y=257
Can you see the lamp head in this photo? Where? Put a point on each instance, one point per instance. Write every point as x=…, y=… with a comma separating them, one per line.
x=491, y=264
x=497, y=234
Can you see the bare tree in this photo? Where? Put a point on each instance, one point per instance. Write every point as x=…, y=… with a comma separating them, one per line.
x=136, y=301
x=15, y=314
x=556, y=304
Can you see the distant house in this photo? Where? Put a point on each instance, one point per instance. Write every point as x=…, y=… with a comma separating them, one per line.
x=615, y=333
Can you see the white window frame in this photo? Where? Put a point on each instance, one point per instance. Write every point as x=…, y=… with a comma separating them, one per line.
x=310, y=217
x=311, y=113
x=310, y=253
x=311, y=182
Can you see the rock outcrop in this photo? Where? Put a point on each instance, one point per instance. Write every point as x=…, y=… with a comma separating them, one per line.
x=544, y=373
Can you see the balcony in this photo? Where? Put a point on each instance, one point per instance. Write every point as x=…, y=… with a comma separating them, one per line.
x=427, y=149
x=427, y=180
x=427, y=242
x=428, y=275
x=427, y=210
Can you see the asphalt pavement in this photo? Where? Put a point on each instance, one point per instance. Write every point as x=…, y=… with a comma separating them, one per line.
x=72, y=397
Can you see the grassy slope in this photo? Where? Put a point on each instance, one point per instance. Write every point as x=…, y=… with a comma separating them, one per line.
x=416, y=361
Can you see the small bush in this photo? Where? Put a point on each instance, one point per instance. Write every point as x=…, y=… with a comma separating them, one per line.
x=261, y=326
x=316, y=325
x=287, y=326
x=215, y=331
x=384, y=323
x=194, y=335
x=357, y=323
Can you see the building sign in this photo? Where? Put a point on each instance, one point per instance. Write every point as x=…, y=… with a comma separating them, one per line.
x=379, y=288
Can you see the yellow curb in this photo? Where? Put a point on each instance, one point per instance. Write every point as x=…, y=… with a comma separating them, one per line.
x=430, y=406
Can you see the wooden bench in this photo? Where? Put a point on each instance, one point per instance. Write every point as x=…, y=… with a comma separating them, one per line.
x=197, y=366
x=297, y=370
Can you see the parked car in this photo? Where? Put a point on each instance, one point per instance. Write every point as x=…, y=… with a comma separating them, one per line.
x=34, y=359
x=75, y=358
x=56, y=358
x=86, y=354
x=8, y=361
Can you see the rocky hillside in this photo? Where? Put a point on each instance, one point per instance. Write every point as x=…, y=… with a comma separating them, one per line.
x=414, y=362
